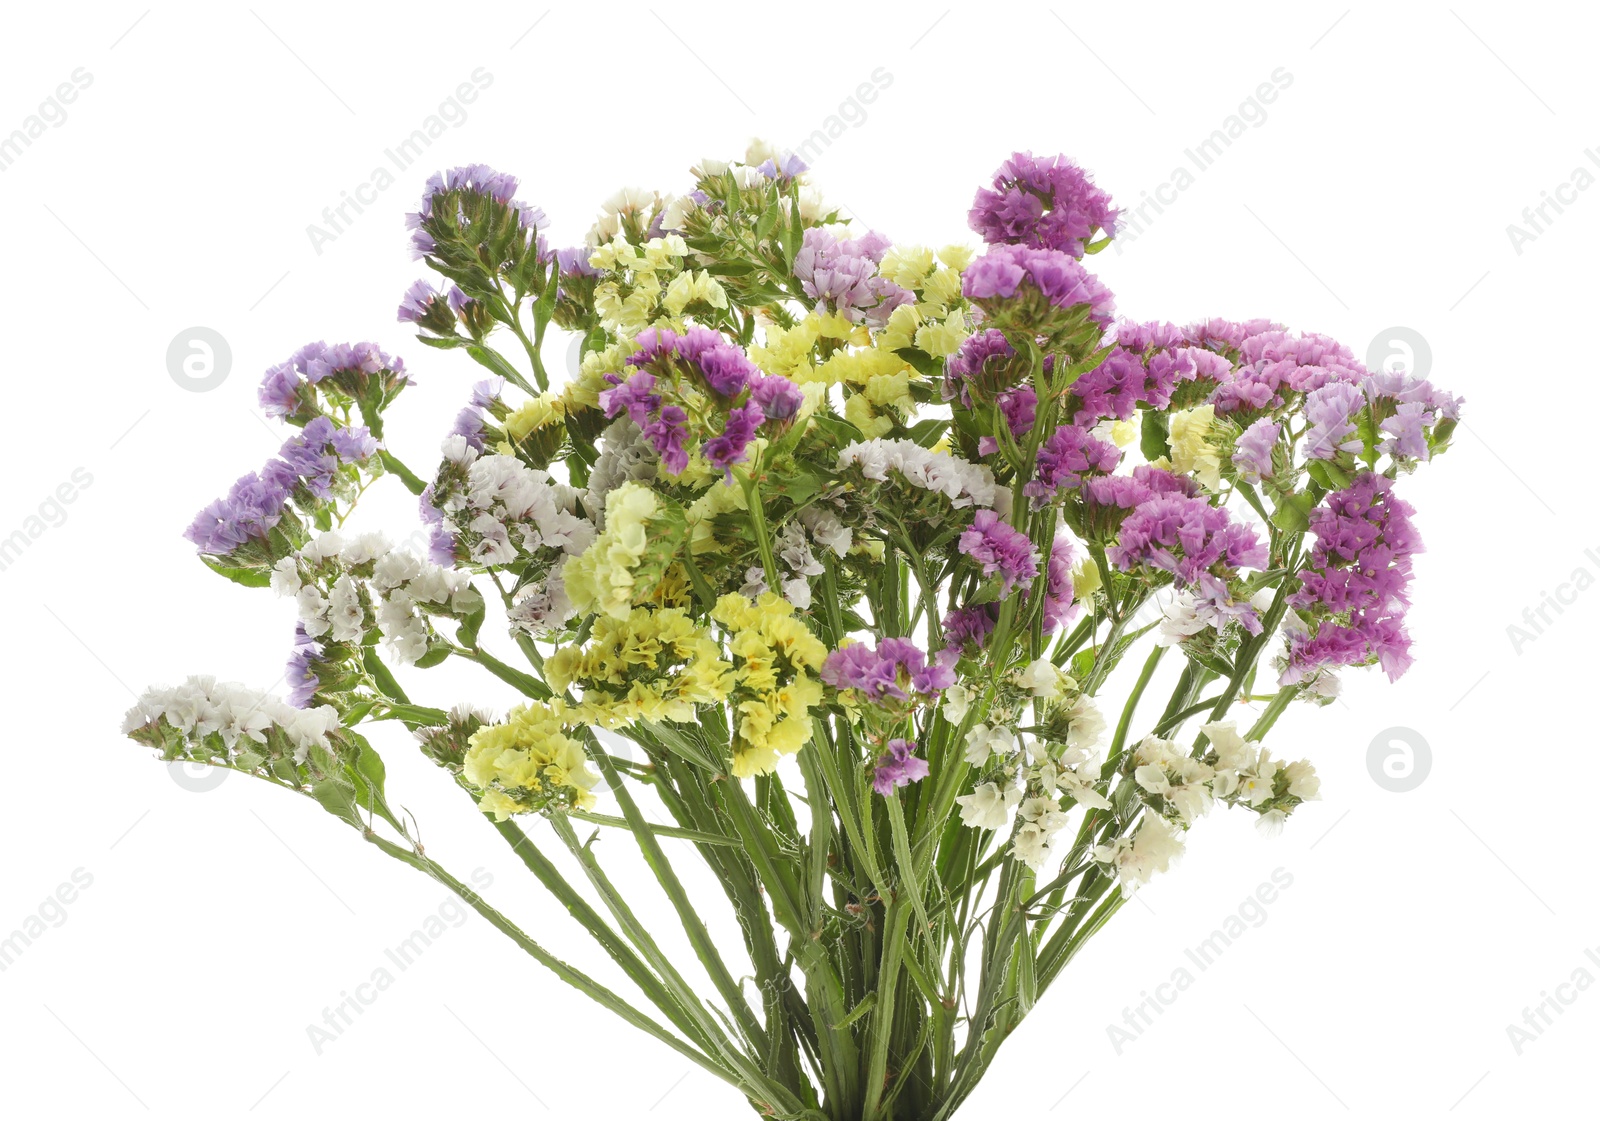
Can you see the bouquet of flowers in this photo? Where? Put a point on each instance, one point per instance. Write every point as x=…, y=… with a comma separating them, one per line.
x=844, y=541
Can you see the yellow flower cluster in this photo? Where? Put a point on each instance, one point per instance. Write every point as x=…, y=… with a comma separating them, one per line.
x=543, y=411
x=612, y=573
x=645, y=280
x=775, y=662
x=930, y=324
x=652, y=665
x=528, y=763
x=1188, y=433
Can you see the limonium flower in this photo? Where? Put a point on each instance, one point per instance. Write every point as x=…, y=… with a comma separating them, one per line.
x=1067, y=457
x=1013, y=271
x=1252, y=456
x=1184, y=536
x=1000, y=549
x=1354, y=591
x=528, y=764
x=893, y=671
x=898, y=766
x=1047, y=202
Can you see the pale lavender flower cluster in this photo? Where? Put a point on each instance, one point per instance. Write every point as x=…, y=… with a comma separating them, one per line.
x=475, y=179
x=301, y=674
x=891, y=672
x=843, y=275
x=470, y=421
x=1252, y=451
x=1059, y=604
x=999, y=548
x=1353, y=593
x=1186, y=537
x=345, y=365
x=1042, y=202
x=1006, y=271
x=307, y=463
x=898, y=766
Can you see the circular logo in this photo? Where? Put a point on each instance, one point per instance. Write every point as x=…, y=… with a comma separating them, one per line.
x=1400, y=350
x=196, y=777
x=199, y=359
x=1399, y=759
x=575, y=357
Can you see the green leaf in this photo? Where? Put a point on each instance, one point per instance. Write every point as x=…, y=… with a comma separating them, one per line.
x=448, y=342
x=1328, y=473
x=1293, y=514
x=249, y=577
x=492, y=360
x=433, y=657
x=1153, y=435
x=868, y=1003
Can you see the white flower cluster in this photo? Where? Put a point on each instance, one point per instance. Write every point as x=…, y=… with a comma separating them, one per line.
x=625, y=456
x=506, y=506
x=1151, y=849
x=1034, y=776
x=1235, y=771
x=542, y=608
x=240, y=716
x=963, y=483
x=401, y=581
x=792, y=550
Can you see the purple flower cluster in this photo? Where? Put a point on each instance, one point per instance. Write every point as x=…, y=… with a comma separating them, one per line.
x=982, y=362
x=730, y=445
x=1252, y=452
x=478, y=180
x=470, y=420
x=1018, y=407
x=891, y=672
x=970, y=627
x=705, y=355
x=441, y=542
x=301, y=674
x=1204, y=535
x=1066, y=458
x=778, y=398
x=842, y=276
x=344, y=365
x=254, y=504
x=1144, y=368
x=1059, y=607
x=664, y=426
x=999, y=548
x=1409, y=407
x=1127, y=491
x=1041, y=202
x=898, y=766
x=1353, y=593
x=1274, y=362
x=1006, y=270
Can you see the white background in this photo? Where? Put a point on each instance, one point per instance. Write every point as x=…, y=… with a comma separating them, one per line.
x=1377, y=193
